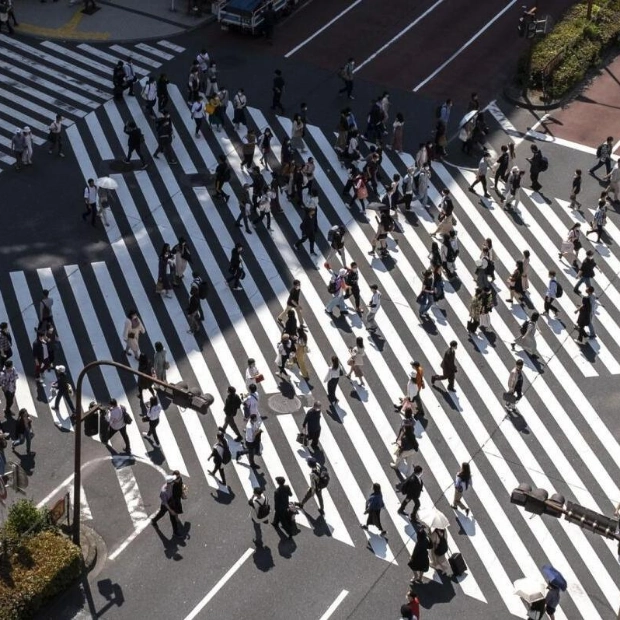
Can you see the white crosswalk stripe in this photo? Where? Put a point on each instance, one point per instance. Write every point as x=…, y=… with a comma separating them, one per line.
x=567, y=446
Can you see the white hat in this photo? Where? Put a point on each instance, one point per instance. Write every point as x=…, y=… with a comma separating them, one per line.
x=170, y=478
x=60, y=368
x=26, y=129
x=18, y=130
x=342, y=272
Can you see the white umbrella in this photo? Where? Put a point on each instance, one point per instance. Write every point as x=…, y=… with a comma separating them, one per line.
x=434, y=519
x=107, y=183
x=471, y=114
x=530, y=589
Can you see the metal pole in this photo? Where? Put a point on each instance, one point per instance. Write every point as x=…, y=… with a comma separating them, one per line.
x=589, y=13
x=77, y=463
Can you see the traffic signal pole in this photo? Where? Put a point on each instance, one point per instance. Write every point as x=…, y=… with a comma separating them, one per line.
x=188, y=398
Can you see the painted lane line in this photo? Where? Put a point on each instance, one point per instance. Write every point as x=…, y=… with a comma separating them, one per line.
x=135, y=56
x=219, y=585
x=332, y=608
x=399, y=35
x=171, y=46
x=131, y=493
x=89, y=49
x=81, y=58
x=320, y=30
x=96, y=131
x=85, y=511
x=464, y=47
x=153, y=51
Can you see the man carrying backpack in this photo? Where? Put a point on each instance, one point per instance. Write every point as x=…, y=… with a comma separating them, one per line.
x=259, y=513
x=603, y=153
x=337, y=287
x=221, y=456
x=538, y=164
x=319, y=479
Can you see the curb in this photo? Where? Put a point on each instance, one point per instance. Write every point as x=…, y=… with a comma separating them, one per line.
x=94, y=549
x=520, y=101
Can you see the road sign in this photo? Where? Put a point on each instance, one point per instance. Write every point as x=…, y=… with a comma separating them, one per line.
x=20, y=477
x=57, y=511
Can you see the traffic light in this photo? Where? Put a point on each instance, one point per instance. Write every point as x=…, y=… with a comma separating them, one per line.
x=591, y=520
x=537, y=501
x=527, y=26
x=189, y=398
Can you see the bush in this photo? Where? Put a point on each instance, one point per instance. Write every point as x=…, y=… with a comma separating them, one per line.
x=24, y=517
x=561, y=60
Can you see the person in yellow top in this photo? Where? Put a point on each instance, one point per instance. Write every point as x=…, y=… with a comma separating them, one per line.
x=213, y=110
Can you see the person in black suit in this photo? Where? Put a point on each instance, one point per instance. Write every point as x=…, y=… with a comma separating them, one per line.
x=448, y=366
x=281, y=500
x=412, y=489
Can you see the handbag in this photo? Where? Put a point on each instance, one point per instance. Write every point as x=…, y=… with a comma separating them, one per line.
x=126, y=417
x=259, y=378
x=510, y=398
x=302, y=438
x=184, y=491
x=351, y=362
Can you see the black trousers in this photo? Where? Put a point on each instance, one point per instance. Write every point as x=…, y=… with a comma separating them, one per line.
x=138, y=150
x=332, y=385
x=123, y=432
x=229, y=420
x=283, y=518
x=347, y=88
x=276, y=103
x=416, y=506
x=174, y=520
x=304, y=239
x=355, y=293
x=549, y=304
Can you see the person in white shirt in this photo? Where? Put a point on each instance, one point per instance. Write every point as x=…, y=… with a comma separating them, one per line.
x=374, y=304
x=55, y=135
x=152, y=415
x=251, y=373
x=240, y=102
x=259, y=512
x=250, y=402
x=90, y=199
x=334, y=372
x=253, y=433
x=130, y=76
x=551, y=294
x=116, y=422
x=198, y=114
x=132, y=329
x=27, y=154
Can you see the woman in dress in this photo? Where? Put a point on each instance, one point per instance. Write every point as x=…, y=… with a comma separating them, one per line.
x=297, y=132
x=374, y=505
x=356, y=360
x=132, y=330
x=462, y=482
x=334, y=372
x=164, y=280
x=398, y=128
x=419, y=561
x=160, y=364
x=515, y=284
x=301, y=348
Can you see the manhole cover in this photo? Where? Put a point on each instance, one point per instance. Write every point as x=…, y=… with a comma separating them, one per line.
x=282, y=404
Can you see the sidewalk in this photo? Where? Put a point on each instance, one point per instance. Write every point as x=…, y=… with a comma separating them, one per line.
x=116, y=20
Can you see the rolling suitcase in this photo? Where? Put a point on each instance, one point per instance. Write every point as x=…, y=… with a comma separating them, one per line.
x=457, y=564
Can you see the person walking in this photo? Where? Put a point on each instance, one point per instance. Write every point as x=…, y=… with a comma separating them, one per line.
x=240, y=102
x=221, y=456
x=23, y=431
x=165, y=135
x=134, y=142
x=277, y=90
x=284, y=348
x=46, y=315
x=149, y=95
x=8, y=382
x=583, y=312
x=29, y=147
x=18, y=146
x=301, y=349
x=264, y=209
x=232, y=404
x=373, y=304
x=247, y=150
x=515, y=386
x=292, y=303
x=448, y=366
x=412, y=488
x=419, y=561
x=90, y=199
x=374, y=505
x=319, y=479
x=406, y=444
x=575, y=190
x=235, y=268
x=41, y=353
x=264, y=146
x=153, y=411
x=55, y=137
x=159, y=94
x=614, y=181
x=145, y=367
x=252, y=375
x=462, y=482
x=130, y=76
x=356, y=361
x=6, y=344
x=398, y=130
x=346, y=75
x=527, y=337
x=160, y=364
x=515, y=284
x=352, y=289
x=167, y=503
x=585, y=272
x=5, y=17
x=197, y=112
x=553, y=289
x=334, y=372
x=439, y=550
x=537, y=165
x=599, y=219
x=501, y=169
x=117, y=418
x=165, y=267
x=259, y=513
x=253, y=431
x=311, y=425
x=552, y=600
x=63, y=389
x=132, y=330
x=481, y=177
x=593, y=305
x=571, y=246
x=603, y=154
x=193, y=312
x=282, y=516
x=222, y=175
x=337, y=287
x=513, y=189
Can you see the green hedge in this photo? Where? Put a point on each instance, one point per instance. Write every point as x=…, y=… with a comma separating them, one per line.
x=39, y=565
x=577, y=44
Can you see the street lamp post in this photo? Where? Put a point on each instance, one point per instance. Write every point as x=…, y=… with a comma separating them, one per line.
x=180, y=394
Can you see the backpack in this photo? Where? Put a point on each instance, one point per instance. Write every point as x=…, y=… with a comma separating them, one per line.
x=245, y=407
x=599, y=151
x=226, y=455
x=323, y=477
x=559, y=291
x=203, y=289
x=544, y=164
x=263, y=510
x=389, y=225
x=332, y=232
x=523, y=328
x=334, y=285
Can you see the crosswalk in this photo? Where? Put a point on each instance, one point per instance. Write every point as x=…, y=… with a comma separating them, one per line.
x=40, y=80
x=560, y=442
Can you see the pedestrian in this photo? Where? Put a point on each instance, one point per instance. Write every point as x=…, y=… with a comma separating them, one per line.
x=356, y=361
x=235, y=268
x=297, y=132
x=284, y=349
x=537, y=166
x=149, y=95
x=515, y=284
x=4, y=17
x=319, y=480
x=583, y=312
x=193, y=312
x=41, y=352
x=264, y=146
x=448, y=366
x=439, y=550
x=164, y=271
x=212, y=86
x=552, y=600
x=132, y=330
x=475, y=310
x=134, y=142
x=445, y=217
x=221, y=456
x=308, y=230
x=253, y=433
x=335, y=237
x=28, y=150
x=398, y=129
x=250, y=402
x=222, y=175
x=585, y=272
x=117, y=417
x=599, y=219
x=374, y=505
x=334, y=372
x=424, y=177
x=245, y=209
x=352, y=289
x=425, y=298
x=282, y=514
x=527, y=337
x=6, y=344
x=575, y=190
x=292, y=303
x=240, y=102
x=412, y=488
x=373, y=304
x=462, y=482
x=466, y=134
x=513, y=188
x=18, y=146
x=300, y=353
x=231, y=408
x=252, y=374
x=193, y=86
x=346, y=75
x=159, y=94
x=130, y=76
x=311, y=425
x=214, y=111
x=165, y=135
x=525, y=274
x=8, y=382
x=168, y=501
x=63, y=389
x=290, y=327
x=248, y=148
x=146, y=368
x=160, y=364
x=515, y=386
x=197, y=111
x=278, y=91
x=12, y=13
x=593, y=305
x=419, y=561
x=182, y=258
x=118, y=80
x=153, y=411
x=614, y=180
x=481, y=176
x=553, y=291
x=501, y=168
x=104, y=199
x=571, y=246
x=264, y=209
x=406, y=442
x=55, y=135
x=203, y=60
x=259, y=513
x=90, y=200
x=603, y=154
x=23, y=431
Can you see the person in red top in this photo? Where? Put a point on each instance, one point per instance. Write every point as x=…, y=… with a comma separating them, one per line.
x=413, y=603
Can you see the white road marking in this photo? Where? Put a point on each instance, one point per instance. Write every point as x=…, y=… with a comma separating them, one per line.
x=332, y=608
